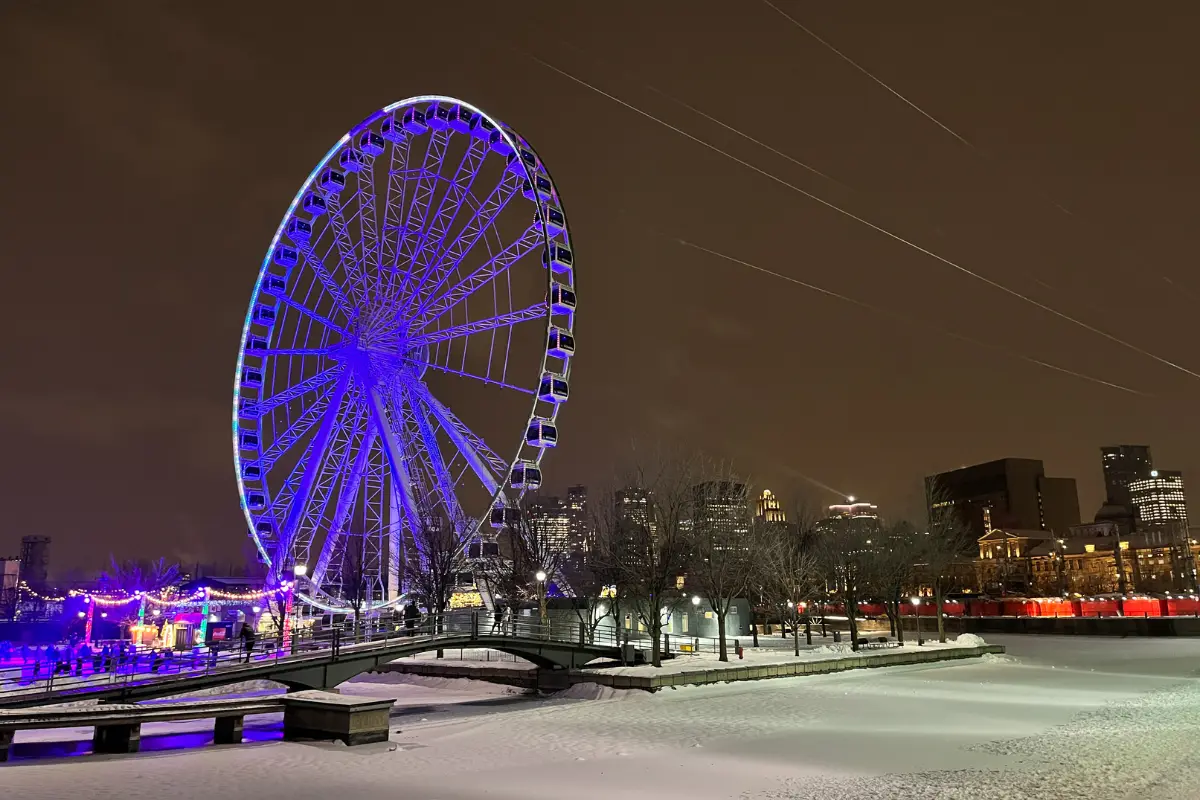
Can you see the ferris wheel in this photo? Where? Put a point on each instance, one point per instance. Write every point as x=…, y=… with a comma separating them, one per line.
x=407, y=347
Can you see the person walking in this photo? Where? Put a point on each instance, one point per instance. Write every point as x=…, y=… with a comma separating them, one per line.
x=497, y=618
x=247, y=641
x=410, y=619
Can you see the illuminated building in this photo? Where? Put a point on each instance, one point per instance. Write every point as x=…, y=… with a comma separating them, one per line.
x=767, y=508
x=577, y=513
x=35, y=560
x=552, y=519
x=1159, y=498
x=721, y=506
x=633, y=506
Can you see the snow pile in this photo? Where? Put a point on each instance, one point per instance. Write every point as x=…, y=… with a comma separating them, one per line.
x=998, y=658
x=843, y=647
x=969, y=640
x=361, y=683
x=595, y=691
x=230, y=690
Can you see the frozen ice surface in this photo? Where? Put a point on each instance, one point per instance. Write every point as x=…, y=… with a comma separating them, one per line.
x=1063, y=718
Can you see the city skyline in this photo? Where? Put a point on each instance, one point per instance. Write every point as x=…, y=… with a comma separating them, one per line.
x=118, y=427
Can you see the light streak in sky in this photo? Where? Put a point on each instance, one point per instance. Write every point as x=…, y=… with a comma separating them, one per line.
x=894, y=236
x=879, y=81
x=911, y=320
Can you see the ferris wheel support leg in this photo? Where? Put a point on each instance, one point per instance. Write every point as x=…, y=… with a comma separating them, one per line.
x=395, y=457
x=345, y=501
x=445, y=483
x=312, y=469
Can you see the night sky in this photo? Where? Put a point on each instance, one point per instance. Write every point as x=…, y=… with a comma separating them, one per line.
x=152, y=151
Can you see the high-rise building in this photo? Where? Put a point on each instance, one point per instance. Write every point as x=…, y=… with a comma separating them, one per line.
x=723, y=505
x=580, y=523
x=553, y=521
x=1009, y=494
x=35, y=560
x=855, y=523
x=1123, y=464
x=767, y=508
x=1159, y=498
x=633, y=506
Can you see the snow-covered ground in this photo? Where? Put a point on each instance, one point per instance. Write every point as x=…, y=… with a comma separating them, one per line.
x=1065, y=718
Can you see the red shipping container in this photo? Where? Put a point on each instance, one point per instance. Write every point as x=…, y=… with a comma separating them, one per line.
x=1142, y=607
x=1019, y=608
x=1055, y=607
x=984, y=608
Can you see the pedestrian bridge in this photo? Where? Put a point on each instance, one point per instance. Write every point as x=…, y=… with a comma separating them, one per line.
x=320, y=661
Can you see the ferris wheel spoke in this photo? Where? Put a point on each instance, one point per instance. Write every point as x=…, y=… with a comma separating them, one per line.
x=434, y=239
x=331, y=287
x=488, y=467
x=537, y=311
x=297, y=429
x=393, y=214
x=291, y=302
x=463, y=374
x=356, y=279
x=484, y=218
x=297, y=351
x=489, y=271
x=314, y=461
x=369, y=224
x=293, y=392
x=418, y=210
x=345, y=501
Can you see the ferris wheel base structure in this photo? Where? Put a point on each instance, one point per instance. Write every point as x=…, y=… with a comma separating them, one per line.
x=406, y=351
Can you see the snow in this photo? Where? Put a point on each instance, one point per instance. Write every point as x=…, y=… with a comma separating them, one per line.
x=969, y=640
x=1069, y=718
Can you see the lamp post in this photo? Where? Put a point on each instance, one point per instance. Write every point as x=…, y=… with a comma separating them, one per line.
x=916, y=601
x=541, y=597
x=87, y=626
x=298, y=572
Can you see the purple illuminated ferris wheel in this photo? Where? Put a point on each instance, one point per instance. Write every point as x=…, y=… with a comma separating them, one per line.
x=407, y=347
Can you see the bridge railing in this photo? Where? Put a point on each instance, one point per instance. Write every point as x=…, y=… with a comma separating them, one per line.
x=59, y=681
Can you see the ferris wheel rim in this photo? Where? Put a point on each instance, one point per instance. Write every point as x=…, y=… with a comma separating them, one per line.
x=522, y=452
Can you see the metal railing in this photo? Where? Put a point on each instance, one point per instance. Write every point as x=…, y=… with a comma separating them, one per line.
x=73, y=675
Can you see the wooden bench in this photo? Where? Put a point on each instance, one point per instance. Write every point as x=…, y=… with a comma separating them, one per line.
x=119, y=726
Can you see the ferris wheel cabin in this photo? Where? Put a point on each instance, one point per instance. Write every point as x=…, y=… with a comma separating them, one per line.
x=437, y=116
x=299, y=230
x=256, y=501
x=332, y=181
x=526, y=475
x=264, y=315
x=560, y=343
x=562, y=299
x=556, y=223
x=314, y=204
x=352, y=160
x=541, y=433
x=482, y=128
x=540, y=188
x=499, y=145
x=521, y=162
x=254, y=343
x=274, y=285
x=248, y=440
x=251, y=471
x=461, y=118
x=252, y=378
x=371, y=143
x=553, y=389
x=503, y=516
x=286, y=256
x=558, y=258
x=413, y=121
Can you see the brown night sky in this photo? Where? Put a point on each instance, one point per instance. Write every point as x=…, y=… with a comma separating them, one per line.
x=153, y=149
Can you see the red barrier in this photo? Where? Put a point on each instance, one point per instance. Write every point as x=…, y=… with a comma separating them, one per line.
x=1142, y=607
x=1179, y=606
x=1055, y=607
x=872, y=609
x=983, y=608
x=1097, y=608
x=1018, y=608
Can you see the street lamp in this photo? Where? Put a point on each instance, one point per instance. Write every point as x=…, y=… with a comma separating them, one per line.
x=916, y=601
x=541, y=576
x=300, y=570
x=695, y=599
x=541, y=592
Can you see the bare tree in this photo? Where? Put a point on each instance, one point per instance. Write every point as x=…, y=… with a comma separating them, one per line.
x=889, y=568
x=948, y=547
x=527, y=547
x=650, y=541
x=437, y=556
x=843, y=554
x=788, y=571
x=355, y=576
x=724, y=547
x=592, y=576
x=140, y=575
